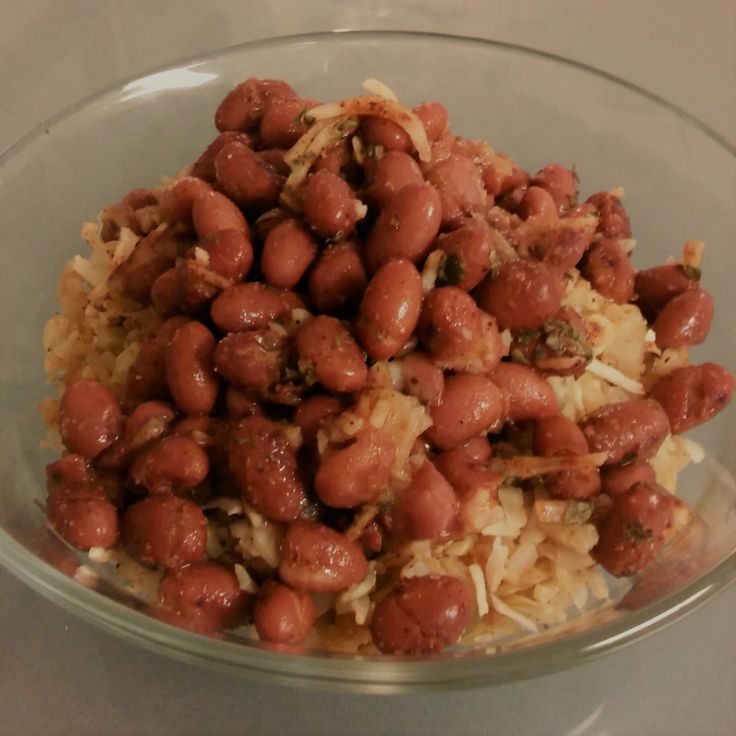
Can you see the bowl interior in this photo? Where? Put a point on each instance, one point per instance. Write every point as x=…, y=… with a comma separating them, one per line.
x=679, y=181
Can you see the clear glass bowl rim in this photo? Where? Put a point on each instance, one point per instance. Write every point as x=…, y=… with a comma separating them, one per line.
x=342, y=672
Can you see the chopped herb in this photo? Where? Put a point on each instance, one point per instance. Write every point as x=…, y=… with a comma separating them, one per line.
x=577, y=512
x=692, y=273
x=451, y=271
x=527, y=336
x=637, y=533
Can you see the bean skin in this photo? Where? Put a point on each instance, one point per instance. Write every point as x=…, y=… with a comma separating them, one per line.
x=613, y=222
x=147, y=376
x=633, y=530
x=243, y=107
x=166, y=293
x=693, y=394
x=434, y=117
x=421, y=378
x=253, y=359
x=264, y=465
x=389, y=310
x=229, y=253
x=527, y=394
x=319, y=559
x=241, y=402
x=561, y=248
x=177, y=200
x=281, y=126
x=287, y=254
x=326, y=348
x=656, y=286
x=426, y=508
x=626, y=430
x=337, y=279
x=523, y=296
x=406, y=227
x=283, y=615
x=356, y=474
x=560, y=437
x=89, y=418
x=204, y=596
x=381, y=132
x=460, y=186
x=189, y=369
x=213, y=212
x=422, y=615
x=390, y=174
x=560, y=183
x=470, y=405
x=204, y=167
x=537, y=202
x=622, y=478
x=609, y=271
x=83, y=516
x=252, y=306
x=172, y=465
x=467, y=256
x=329, y=205
x=245, y=178
x=164, y=530
x=310, y=416
x=685, y=320
x=468, y=475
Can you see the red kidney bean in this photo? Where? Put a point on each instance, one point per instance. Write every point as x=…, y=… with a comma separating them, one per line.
x=622, y=478
x=422, y=615
x=609, y=270
x=613, y=222
x=657, y=286
x=89, y=418
x=252, y=306
x=381, y=132
x=189, y=369
x=283, y=615
x=146, y=423
x=166, y=293
x=558, y=436
x=389, y=310
x=498, y=183
x=287, y=254
x=274, y=157
x=213, y=212
x=311, y=415
x=164, y=530
x=684, y=320
x=627, y=430
x=282, y=124
x=467, y=256
x=329, y=205
x=426, y=508
x=537, y=202
x=406, y=227
x=177, y=200
x=140, y=197
x=152, y=255
x=523, y=296
x=632, y=532
x=527, y=394
x=205, y=596
x=172, y=465
x=390, y=174
x=337, y=157
x=694, y=394
x=204, y=166
x=246, y=178
x=456, y=334
x=460, y=186
x=434, y=117
x=337, y=279
x=252, y=359
x=264, y=465
x=83, y=516
x=70, y=468
x=327, y=350
x=468, y=475
x=317, y=558
x=476, y=449
x=147, y=376
x=229, y=253
x=243, y=107
x=421, y=378
x=470, y=405
x=268, y=221
x=241, y=402
x=561, y=248
x=560, y=183
x=355, y=474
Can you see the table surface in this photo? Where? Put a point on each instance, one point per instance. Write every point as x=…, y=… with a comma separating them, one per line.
x=60, y=675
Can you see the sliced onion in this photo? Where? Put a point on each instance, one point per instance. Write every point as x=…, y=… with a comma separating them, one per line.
x=614, y=377
x=527, y=466
x=378, y=88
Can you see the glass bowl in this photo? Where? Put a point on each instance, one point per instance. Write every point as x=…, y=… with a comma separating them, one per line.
x=680, y=183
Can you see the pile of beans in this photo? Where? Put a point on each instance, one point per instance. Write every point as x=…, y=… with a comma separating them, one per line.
x=269, y=318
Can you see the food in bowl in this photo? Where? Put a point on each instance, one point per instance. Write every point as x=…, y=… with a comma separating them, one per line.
x=364, y=385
